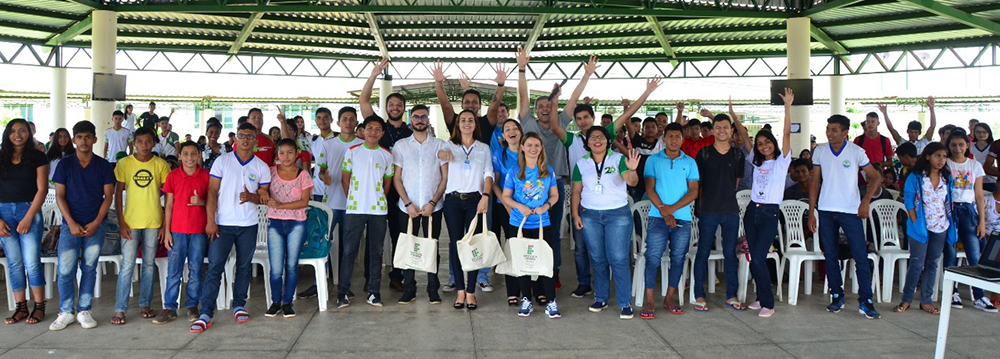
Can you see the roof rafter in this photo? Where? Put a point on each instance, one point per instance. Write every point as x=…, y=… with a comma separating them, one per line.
x=662, y=38
x=536, y=31
x=71, y=32
x=956, y=15
x=245, y=33
x=825, y=39
x=829, y=5
x=377, y=34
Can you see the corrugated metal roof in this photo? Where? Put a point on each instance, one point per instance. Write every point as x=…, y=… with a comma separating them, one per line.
x=455, y=29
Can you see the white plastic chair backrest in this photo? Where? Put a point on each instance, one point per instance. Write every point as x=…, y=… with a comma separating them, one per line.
x=695, y=234
x=329, y=215
x=743, y=202
x=262, y=226
x=567, y=194
x=742, y=196
x=886, y=210
x=50, y=198
x=49, y=215
x=639, y=241
x=894, y=193
x=794, y=211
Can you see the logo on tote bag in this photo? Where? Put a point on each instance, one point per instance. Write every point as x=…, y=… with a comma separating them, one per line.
x=416, y=252
x=475, y=253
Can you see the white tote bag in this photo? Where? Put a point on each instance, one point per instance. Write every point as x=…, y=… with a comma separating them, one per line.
x=507, y=267
x=530, y=256
x=416, y=253
x=479, y=250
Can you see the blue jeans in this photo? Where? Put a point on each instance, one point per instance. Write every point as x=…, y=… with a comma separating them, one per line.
x=923, y=267
x=967, y=219
x=130, y=248
x=355, y=224
x=658, y=237
x=760, y=222
x=830, y=224
x=284, y=244
x=608, y=234
x=22, y=250
x=707, y=225
x=245, y=240
x=71, y=249
x=582, y=255
x=190, y=247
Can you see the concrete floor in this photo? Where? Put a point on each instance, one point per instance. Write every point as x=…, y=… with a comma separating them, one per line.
x=422, y=330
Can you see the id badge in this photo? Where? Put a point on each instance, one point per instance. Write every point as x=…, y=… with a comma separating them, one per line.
x=467, y=165
x=599, y=189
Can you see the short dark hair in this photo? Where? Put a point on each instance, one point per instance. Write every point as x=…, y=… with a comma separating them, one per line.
x=722, y=117
x=232, y=134
x=906, y=149
x=215, y=124
x=843, y=121
x=546, y=98
x=344, y=110
x=872, y=115
x=398, y=96
x=603, y=131
x=246, y=126
x=636, y=119
x=498, y=106
x=118, y=113
x=607, y=115
x=84, y=127
x=288, y=142
x=187, y=144
x=693, y=123
x=648, y=120
x=419, y=107
x=707, y=125
x=252, y=110
x=242, y=120
x=583, y=107
x=323, y=110
x=151, y=103
x=467, y=92
x=673, y=126
x=164, y=118
x=946, y=128
x=374, y=119
x=802, y=162
x=914, y=125
x=128, y=106
x=143, y=131
x=661, y=113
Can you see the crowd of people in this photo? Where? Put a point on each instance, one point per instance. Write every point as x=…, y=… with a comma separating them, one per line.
x=508, y=174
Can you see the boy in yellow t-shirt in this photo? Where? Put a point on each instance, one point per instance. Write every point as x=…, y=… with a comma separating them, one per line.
x=141, y=175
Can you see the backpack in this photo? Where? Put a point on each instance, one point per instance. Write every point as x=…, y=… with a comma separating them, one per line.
x=882, y=140
x=317, y=242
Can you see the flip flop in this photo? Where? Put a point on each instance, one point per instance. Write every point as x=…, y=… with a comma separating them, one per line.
x=647, y=314
x=700, y=306
x=736, y=306
x=241, y=316
x=933, y=310
x=674, y=309
x=902, y=307
x=200, y=325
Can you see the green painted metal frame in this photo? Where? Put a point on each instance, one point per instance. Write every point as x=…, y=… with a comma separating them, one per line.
x=956, y=15
x=668, y=51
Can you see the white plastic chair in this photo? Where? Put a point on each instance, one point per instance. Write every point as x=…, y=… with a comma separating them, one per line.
x=565, y=226
x=741, y=198
x=744, y=267
x=260, y=254
x=796, y=252
x=889, y=250
x=849, y=267
x=895, y=194
x=714, y=257
x=641, y=209
x=688, y=263
x=319, y=264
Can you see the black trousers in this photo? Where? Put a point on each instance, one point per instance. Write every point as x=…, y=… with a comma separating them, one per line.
x=420, y=226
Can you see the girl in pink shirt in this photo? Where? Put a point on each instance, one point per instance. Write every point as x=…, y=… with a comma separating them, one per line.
x=291, y=189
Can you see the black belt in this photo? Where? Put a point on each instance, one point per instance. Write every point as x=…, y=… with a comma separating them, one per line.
x=765, y=205
x=465, y=196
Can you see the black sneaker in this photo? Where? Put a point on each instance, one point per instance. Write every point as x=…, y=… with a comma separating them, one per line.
x=956, y=301
x=374, y=299
x=273, y=310
x=350, y=294
x=581, y=291
x=435, y=298
x=407, y=298
x=867, y=308
x=343, y=301
x=309, y=293
x=287, y=311
x=836, y=303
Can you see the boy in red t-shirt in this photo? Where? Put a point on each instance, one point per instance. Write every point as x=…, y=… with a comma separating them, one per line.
x=184, y=225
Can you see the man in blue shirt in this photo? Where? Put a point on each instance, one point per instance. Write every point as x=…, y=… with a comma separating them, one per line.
x=671, y=184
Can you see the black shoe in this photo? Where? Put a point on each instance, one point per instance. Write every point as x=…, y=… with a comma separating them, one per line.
x=435, y=298
x=343, y=301
x=375, y=299
x=287, y=311
x=407, y=298
x=581, y=291
x=350, y=294
x=309, y=293
x=396, y=286
x=273, y=310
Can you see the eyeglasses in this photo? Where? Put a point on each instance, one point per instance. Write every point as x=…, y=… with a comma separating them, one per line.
x=246, y=136
x=419, y=117
x=598, y=137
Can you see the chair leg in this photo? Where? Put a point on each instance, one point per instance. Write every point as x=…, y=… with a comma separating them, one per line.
x=781, y=275
x=321, y=285
x=691, y=285
x=10, y=292
x=744, y=278
x=793, y=281
x=809, y=269
x=49, y=270
x=639, y=281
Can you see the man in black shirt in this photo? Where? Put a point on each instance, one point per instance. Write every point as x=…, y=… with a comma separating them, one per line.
x=645, y=144
x=720, y=168
x=801, y=174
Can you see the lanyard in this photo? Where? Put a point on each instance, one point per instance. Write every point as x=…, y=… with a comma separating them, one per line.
x=600, y=170
x=467, y=153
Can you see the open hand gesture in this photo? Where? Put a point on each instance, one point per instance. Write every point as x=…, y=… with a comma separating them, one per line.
x=679, y=106
x=788, y=97
x=501, y=73
x=633, y=159
x=522, y=57
x=930, y=101
x=590, y=66
x=437, y=71
x=380, y=67
x=653, y=83
x=732, y=114
x=465, y=81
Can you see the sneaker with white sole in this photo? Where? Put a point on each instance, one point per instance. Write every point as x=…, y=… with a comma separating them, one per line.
x=62, y=321
x=984, y=304
x=765, y=312
x=375, y=299
x=485, y=286
x=626, y=313
x=754, y=306
x=552, y=310
x=597, y=307
x=86, y=319
x=956, y=301
x=450, y=287
x=526, y=307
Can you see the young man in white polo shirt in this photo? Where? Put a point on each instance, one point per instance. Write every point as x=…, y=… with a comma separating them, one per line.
x=841, y=207
x=237, y=183
x=420, y=180
x=367, y=176
x=117, y=139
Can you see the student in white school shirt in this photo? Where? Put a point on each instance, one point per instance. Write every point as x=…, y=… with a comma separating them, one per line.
x=420, y=179
x=841, y=207
x=367, y=176
x=117, y=139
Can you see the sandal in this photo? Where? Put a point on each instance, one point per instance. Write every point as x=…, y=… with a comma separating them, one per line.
x=147, y=312
x=700, y=306
x=241, y=315
x=674, y=309
x=902, y=307
x=118, y=318
x=35, y=318
x=647, y=314
x=460, y=305
x=735, y=304
x=929, y=308
x=512, y=301
x=200, y=325
x=19, y=314
x=542, y=300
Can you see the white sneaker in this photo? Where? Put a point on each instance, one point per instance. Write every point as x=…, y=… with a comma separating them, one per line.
x=450, y=287
x=86, y=319
x=985, y=305
x=62, y=321
x=754, y=306
x=485, y=286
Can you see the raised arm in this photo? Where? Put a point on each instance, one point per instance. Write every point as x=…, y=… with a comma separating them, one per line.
x=365, y=101
x=494, y=109
x=589, y=68
x=740, y=129
x=930, y=129
x=633, y=107
x=437, y=70
x=554, y=114
x=786, y=139
x=892, y=130
x=680, y=114
x=524, y=104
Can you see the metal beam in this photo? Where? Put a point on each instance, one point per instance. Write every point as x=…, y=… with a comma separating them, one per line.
x=88, y=3
x=25, y=10
x=821, y=36
x=662, y=38
x=956, y=15
x=245, y=33
x=377, y=34
x=829, y=5
x=536, y=31
x=71, y=32
x=903, y=16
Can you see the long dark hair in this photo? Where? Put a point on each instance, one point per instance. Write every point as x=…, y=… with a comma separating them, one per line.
x=958, y=134
x=503, y=140
x=758, y=158
x=989, y=132
x=7, y=146
x=923, y=165
x=456, y=133
x=55, y=151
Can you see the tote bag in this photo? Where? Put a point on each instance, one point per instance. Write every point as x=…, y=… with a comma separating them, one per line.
x=416, y=253
x=531, y=256
x=479, y=250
